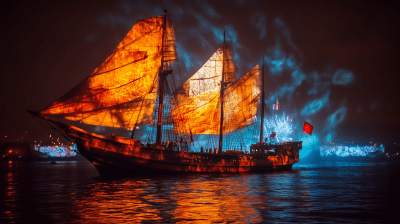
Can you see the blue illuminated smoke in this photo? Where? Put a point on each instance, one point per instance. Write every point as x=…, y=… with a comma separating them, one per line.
x=315, y=105
x=208, y=9
x=278, y=22
x=336, y=118
x=328, y=137
x=275, y=59
x=297, y=75
x=342, y=77
x=260, y=22
x=319, y=83
x=185, y=55
x=309, y=143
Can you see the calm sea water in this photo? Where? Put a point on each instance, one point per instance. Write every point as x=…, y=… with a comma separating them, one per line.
x=72, y=192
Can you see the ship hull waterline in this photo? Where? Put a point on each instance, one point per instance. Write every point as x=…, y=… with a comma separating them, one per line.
x=121, y=156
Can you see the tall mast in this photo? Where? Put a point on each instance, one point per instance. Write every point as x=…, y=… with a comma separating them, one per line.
x=221, y=121
x=161, y=77
x=262, y=104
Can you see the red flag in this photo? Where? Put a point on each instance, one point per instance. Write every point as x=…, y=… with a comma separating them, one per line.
x=273, y=135
x=277, y=106
x=308, y=128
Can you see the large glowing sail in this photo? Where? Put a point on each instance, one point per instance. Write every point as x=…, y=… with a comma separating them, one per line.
x=121, y=92
x=241, y=101
x=198, y=110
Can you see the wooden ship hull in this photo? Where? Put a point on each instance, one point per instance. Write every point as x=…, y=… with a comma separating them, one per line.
x=121, y=156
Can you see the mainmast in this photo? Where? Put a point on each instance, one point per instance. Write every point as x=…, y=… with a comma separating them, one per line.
x=164, y=71
x=221, y=121
x=262, y=105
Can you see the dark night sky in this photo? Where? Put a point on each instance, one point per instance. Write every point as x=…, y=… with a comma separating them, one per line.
x=344, y=79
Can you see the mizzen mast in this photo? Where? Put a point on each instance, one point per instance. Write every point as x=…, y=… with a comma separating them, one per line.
x=262, y=105
x=221, y=121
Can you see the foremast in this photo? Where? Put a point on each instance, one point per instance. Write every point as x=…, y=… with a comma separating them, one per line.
x=164, y=71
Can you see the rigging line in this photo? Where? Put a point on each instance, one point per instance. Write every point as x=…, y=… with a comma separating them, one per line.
x=77, y=100
x=140, y=37
x=179, y=111
x=104, y=117
x=204, y=104
x=134, y=128
x=239, y=81
x=205, y=78
x=53, y=129
x=246, y=110
x=36, y=119
x=117, y=49
x=174, y=97
x=132, y=62
x=96, y=110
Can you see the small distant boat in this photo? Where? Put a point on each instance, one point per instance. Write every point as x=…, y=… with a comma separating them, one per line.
x=131, y=88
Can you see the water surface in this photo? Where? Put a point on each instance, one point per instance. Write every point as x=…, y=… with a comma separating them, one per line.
x=72, y=192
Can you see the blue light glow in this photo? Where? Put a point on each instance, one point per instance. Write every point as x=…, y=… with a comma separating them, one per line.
x=283, y=127
x=315, y=105
x=203, y=41
x=232, y=36
x=56, y=151
x=218, y=34
x=345, y=151
x=278, y=22
x=275, y=58
x=260, y=22
x=298, y=77
x=185, y=55
x=317, y=84
x=208, y=10
x=328, y=137
x=286, y=89
x=290, y=62
x=309, y=142
x=342, y=77
x=337, y=117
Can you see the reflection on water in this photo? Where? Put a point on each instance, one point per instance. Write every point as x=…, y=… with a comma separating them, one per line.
x=72, y=192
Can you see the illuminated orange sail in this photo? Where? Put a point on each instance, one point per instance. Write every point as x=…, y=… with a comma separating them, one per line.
x=199, y=107
x=121, y=92
x=241, y=101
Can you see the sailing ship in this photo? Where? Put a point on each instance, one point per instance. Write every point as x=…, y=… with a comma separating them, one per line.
x=132, y=88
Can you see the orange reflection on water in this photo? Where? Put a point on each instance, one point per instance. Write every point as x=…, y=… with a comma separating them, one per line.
x=214, y=201
x=119, y=203
x=10, y=194
x=202, y=199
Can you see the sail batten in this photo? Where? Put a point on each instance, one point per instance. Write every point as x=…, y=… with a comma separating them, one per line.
x=121, y=92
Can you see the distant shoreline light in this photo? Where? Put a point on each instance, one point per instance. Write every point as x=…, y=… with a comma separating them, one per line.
x=345, y=151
